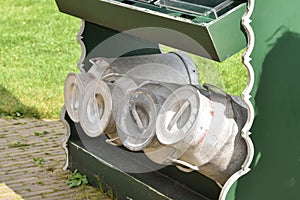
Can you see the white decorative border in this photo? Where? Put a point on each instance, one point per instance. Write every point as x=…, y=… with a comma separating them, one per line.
x=64, y=142
x=246, y=21
x=82, y=45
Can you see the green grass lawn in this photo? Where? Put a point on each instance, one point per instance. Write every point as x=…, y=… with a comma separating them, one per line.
x=38, y=49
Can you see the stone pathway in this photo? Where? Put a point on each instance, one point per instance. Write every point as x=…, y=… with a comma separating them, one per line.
x=31, y=160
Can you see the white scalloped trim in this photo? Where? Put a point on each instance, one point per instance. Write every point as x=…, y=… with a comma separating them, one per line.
x=82, y=45
x=246, y=97
x=66, y=136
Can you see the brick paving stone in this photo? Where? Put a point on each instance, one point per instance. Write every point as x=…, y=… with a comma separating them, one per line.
x=33, y=180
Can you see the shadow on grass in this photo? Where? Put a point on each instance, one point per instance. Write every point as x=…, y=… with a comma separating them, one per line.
x=10, y=106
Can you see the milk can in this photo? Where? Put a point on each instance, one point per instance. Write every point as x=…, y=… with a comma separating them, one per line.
x=201, y=132
x=136, y=116
x=73, y=90
x=184, y=118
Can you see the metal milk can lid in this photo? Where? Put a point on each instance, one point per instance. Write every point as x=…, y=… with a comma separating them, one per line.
x=96, y=108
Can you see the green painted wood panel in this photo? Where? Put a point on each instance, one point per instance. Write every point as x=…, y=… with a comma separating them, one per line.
x=117, y=16
x=275, y=170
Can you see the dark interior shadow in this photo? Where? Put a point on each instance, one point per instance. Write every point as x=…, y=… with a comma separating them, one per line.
x=12, y=107
x=276, y=128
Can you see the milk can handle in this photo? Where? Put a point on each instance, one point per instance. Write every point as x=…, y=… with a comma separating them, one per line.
x=113, y=141
x=143, y=84
x=181, y=163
